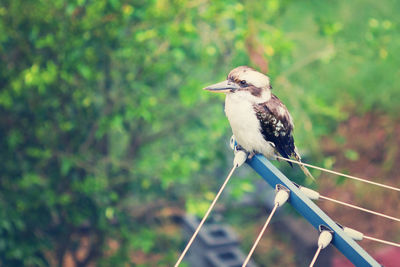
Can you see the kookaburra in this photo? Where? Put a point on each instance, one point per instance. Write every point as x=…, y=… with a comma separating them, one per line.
x=260, y=122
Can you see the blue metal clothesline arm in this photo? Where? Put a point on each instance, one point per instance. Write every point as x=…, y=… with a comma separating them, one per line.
x=312, y=213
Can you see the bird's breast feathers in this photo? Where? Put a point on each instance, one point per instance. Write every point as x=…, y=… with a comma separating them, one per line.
x=246, y=126
x=257, y=125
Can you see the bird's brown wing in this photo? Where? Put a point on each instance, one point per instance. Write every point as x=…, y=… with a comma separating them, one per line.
x=276, y=125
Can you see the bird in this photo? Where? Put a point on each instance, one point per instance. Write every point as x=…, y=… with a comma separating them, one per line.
x=260, y=122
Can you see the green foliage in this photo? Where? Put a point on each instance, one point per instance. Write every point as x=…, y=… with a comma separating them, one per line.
x=102, y=112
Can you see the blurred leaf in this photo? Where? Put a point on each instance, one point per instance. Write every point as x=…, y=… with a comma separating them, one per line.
x=351, y=154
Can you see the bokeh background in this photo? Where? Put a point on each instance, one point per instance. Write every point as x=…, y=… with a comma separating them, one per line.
x=106, y=134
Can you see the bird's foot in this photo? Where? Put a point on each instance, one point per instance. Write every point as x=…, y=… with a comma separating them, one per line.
x=251, y=155
x=238, y=147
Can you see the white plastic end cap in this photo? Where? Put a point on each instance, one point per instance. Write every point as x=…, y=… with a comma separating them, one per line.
x=311, y=194
x=324, y=239
x=354, y=234
x=281, y=197
x=240, y=158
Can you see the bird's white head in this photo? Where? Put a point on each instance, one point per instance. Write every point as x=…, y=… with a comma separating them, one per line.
x=245, y=82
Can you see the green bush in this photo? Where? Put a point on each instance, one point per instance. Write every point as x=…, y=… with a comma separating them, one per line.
x=102, y=112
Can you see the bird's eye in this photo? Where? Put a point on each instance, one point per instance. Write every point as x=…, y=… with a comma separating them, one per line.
x=243, y=82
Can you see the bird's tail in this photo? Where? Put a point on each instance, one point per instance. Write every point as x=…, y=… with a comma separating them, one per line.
x=303, y=168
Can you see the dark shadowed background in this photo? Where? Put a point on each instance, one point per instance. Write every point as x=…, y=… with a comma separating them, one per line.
x=106, y=134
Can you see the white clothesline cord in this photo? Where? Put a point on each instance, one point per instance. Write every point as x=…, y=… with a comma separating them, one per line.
x=315, y=256
x=359, y=208
x=314, y=195
x=205, y=216
x=259, y=236
x=382, y=241
x=324, y=239
x=281, y=196
x=340, y=174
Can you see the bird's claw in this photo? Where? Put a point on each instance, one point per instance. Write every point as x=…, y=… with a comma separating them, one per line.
x=251, y=155
x=239, y=148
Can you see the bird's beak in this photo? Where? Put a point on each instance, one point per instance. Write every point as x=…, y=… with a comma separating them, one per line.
x=222, y=87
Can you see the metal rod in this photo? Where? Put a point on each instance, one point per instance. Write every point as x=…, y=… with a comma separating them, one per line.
x=312, y=213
